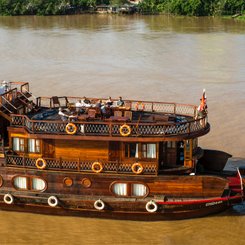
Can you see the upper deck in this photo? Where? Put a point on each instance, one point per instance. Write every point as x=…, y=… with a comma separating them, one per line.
x=145, y=119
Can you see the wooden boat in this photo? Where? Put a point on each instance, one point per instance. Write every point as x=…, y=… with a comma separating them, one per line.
x=137, y=160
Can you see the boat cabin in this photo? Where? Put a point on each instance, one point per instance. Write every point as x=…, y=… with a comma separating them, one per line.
x=138, y=137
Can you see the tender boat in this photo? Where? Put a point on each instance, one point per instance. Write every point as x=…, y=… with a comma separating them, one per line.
x=109, y=158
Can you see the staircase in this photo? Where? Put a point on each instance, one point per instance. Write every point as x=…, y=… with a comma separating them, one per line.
x=17, y=101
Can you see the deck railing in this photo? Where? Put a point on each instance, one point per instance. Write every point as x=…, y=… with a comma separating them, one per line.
x=149, y=106
x=112, y=128
x=102, y=128
x=78, y=165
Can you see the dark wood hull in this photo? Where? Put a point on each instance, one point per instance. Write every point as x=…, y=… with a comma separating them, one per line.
x=176, y=197
x=166, y=212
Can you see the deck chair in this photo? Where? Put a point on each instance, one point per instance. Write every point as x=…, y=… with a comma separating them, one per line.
x=117, y=113
x=91, y=113
x=118, y=117
x=129, y=115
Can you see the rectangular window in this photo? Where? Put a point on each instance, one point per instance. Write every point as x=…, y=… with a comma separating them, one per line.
x=20, y=183
x=120, y=189
x=38, y=184
x=132, y=150
x=18, y=144
x=138, y=190
x=34, y=145
x=148, y=150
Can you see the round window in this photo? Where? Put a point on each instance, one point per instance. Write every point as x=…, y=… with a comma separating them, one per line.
x=86, y=182
x=68, y=181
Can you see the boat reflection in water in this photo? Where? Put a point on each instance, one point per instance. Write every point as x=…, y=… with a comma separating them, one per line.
x=128, y=159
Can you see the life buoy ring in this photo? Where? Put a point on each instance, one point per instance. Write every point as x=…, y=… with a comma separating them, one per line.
x=125, y=130
x=99, y=204
x=140, y=106
x=53, y=201
x=8, y=199
x=71, y=128
x=97, y=167
x=137, y=168
x=151, y=206
x=41, y=163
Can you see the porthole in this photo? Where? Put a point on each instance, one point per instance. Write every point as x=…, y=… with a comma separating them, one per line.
x=68, y=181
x=86, y=182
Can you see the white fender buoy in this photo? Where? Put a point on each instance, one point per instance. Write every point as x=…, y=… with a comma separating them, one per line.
x=99, y=204
x=151, y=206
x=8, y=199
x=53, y=201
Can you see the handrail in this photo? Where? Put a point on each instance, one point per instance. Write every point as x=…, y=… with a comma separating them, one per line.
x=10, y=92
x=9, y=103
x=5, y=107
x=24, y=86
x=23, y=94
x=78, y=165
x=150, y=106
x=102, y=128
x=19, y=85
x=171, y=107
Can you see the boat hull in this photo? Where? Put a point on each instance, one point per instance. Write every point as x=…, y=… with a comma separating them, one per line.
x=174, y=197
x=127, y=211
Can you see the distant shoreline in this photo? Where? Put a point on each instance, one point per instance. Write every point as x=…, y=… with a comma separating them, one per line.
x=150, y=7
x=239, y=18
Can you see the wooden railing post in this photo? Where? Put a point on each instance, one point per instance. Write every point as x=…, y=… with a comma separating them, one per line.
x=110, y=129
x=60, y=162
x=117, y=164
x=78, y=165
x=23, y=161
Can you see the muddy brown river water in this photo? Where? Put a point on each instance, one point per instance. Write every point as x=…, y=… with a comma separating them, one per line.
x=158, y=58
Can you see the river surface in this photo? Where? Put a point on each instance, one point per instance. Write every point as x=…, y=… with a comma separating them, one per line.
x=158, y=58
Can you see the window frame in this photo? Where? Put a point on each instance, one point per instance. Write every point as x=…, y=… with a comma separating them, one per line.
x=29, y=182
x=127, y=150
x=146, y=150
x=21, y=189
x=129, y=189
x=21, y=144
x=140, y=150
x=36, y=146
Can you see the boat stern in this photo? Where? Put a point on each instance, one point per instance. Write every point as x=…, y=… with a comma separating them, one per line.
x=237, y=183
